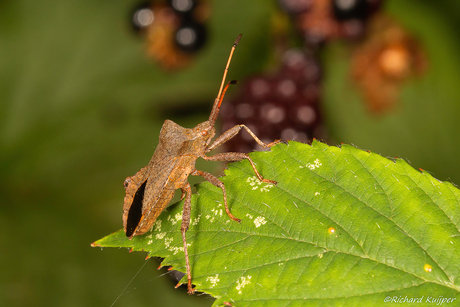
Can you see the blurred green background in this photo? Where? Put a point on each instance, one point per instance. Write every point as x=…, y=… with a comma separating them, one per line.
x=81, y=108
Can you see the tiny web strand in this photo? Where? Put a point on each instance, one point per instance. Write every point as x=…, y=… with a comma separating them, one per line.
x=132, y=279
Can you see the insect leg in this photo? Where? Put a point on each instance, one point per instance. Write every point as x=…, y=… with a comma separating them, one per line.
x=230, y=133
x=215, y=181
x=237, y=156
x=184, y=227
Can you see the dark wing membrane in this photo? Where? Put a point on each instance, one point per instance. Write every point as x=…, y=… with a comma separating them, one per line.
x=132, y=204
x=135, y=211
x=157, y=193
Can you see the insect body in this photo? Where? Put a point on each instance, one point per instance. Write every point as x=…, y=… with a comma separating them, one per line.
x=149, y=191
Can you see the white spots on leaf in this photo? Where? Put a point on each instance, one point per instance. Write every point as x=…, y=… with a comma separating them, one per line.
x=174, y=249
x=255, y=183
x=259, y=221
x=266, y=187
x=242, y=282
x=217, y=212
x=320, y=255
x=195, y=221
x=175, y=219
x=160, y=235
x=312, y=166
x=157, y=225
x=210, y=218
x=213, y=280
x=168, y=242
x=317, y=193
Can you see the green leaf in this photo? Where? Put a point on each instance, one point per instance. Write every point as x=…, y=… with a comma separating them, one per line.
x=343, y=227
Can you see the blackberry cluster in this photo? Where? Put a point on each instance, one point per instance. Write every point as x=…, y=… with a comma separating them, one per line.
x=319, y=21
x=174, y=29
x=282, y=105
x=286, y=104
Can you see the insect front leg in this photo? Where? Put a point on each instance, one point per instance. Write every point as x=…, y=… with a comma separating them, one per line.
x=215, y=181
x=230, y=133
x=184, y=227
x=237, y=156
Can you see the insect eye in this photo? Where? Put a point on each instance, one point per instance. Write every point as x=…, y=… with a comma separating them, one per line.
x=204, y=132
x=127, y=181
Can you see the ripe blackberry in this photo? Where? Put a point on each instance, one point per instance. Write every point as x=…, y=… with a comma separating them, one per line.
x=183, y=6
x=141, y=16
x=190, y=37
x=295, y=6
x=283, y=105
x=319, y=21
x=350, y=9
x=174, y=29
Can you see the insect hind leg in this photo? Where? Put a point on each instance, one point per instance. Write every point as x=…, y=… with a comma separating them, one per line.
x=215, y=181
x=237, y=156
x=187, y=191
x=230, y=133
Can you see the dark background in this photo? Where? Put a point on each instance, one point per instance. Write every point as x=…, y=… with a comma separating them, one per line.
x=81, y=108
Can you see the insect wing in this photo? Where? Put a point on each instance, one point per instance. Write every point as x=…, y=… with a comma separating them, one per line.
x=147, y=194
x=132, y=186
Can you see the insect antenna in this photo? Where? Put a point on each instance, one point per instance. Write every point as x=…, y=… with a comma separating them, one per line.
x=222, y=90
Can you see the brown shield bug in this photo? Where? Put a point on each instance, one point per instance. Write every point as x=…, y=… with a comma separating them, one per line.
x=149, y=191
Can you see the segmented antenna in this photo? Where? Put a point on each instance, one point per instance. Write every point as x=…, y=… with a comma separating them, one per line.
x=222, y=90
